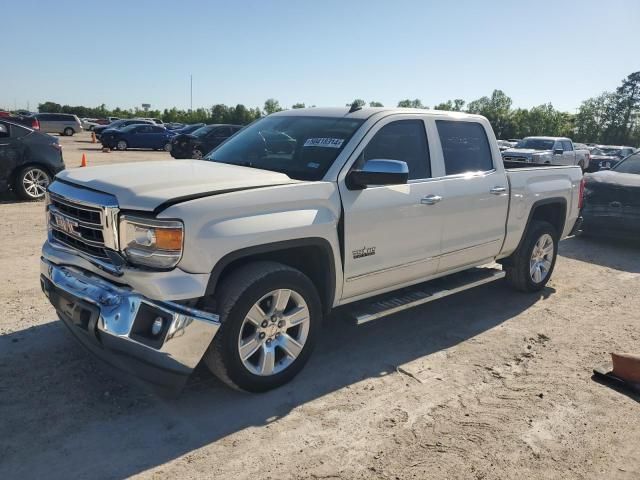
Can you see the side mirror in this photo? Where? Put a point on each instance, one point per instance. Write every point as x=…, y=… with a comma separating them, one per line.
x=378, y=172
x=558, y=151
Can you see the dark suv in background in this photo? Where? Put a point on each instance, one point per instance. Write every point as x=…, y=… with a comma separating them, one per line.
x=28, y=160
x=200, y=142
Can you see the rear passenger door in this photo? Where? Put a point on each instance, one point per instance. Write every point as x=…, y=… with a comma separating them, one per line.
x=10, y=153
x=143, y=136
x=569, y=154
x=475, y=195
x=391, y=232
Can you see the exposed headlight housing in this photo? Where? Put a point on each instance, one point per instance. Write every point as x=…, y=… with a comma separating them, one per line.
x=151, y=243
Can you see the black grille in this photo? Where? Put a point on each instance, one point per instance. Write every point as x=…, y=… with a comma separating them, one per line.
x=73, y=242
x=82, y=213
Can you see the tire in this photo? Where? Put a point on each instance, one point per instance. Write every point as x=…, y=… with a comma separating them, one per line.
x=167, y=147
x=31, y=182
x=581, y=165
x=68, y=132
x=521, y=273
x=121, y=145
x=251, y=285
x=197, y=154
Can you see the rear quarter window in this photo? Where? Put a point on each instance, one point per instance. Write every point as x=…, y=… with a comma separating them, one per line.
x=465, y=147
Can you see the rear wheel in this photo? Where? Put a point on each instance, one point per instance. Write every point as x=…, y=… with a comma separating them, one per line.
x=197, y=154
x=532, y=264
x=167, y=147
x=32, y=182
x=69, y=132
x=121, y=145
x=270, y=315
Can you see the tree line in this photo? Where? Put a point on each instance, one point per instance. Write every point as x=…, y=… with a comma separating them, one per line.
x=610, y=118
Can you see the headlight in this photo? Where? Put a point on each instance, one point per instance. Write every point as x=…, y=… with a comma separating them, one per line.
x=150, y=242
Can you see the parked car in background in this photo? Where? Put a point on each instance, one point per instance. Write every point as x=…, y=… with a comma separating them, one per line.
x=612, y=200
x=119, y=124
x=154, y=137
x=89, y=123
x=547, y=151
x=201, y=141
x=113, y=119
x=60, y=123
x=505, y=145
x=28, y=160
x=27, y=121
x=176, y=125
x=189, y=128
x=607, y=156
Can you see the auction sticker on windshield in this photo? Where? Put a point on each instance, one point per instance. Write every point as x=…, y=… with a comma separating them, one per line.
x=324, y=142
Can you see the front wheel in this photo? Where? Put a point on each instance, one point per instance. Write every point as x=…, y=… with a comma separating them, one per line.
x=167, y=147
x=270, y=315
x=197, y=154
x=121, y=145
x=532, y=264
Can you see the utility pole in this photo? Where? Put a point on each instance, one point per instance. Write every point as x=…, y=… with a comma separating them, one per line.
x=191, y=81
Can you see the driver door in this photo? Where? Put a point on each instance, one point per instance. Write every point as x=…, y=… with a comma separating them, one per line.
x=392, y=232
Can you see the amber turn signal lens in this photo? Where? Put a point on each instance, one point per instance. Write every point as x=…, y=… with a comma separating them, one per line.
x=169, y=238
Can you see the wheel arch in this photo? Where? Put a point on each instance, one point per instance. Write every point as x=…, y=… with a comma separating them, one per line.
x=13, y=176
x=313, y=256
x=552, y=210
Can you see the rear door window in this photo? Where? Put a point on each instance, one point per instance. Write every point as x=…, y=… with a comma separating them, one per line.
x=465, y=147
x=566, y=145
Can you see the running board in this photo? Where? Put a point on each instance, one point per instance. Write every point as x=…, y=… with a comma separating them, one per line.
x=393, y=302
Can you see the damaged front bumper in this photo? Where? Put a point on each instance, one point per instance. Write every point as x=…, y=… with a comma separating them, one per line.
x=157, y=342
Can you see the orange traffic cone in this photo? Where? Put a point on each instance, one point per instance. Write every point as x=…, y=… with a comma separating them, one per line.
x=84, y=161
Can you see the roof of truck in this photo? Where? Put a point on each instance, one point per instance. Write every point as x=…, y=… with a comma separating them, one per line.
x=365, y=112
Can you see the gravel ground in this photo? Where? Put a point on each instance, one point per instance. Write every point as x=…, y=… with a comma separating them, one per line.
x=486, y=384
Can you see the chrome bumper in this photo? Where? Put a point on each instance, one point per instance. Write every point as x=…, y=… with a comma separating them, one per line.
x=115, y=324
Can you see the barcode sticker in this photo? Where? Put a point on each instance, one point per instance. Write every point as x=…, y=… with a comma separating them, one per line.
x=324, y=142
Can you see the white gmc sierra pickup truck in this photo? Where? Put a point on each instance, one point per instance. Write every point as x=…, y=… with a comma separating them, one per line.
x=234, y=259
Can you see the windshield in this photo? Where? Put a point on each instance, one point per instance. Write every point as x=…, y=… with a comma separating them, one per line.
x=612, y=152
x=301, y=147
x=202, y=131
x=535, y=144
x=630, y=165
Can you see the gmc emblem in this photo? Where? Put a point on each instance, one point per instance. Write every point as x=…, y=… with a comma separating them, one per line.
x=66, y=224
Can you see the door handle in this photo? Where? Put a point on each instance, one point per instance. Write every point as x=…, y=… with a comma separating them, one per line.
x=430, y=199
x=498, y=190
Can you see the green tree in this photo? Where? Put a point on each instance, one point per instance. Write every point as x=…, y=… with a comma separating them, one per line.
x=50, y=107
x=298, y=105
x=375, y=104
x=497, y=110
x=411, y=103
x=451, y=105
x=358, y=102
x=271, y=105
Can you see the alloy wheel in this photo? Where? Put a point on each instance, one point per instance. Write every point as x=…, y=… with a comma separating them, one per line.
x=35, y=182
x=541, y=258
x=274, y=332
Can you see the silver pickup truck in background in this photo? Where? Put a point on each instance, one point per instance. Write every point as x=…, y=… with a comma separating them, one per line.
x=548, y=151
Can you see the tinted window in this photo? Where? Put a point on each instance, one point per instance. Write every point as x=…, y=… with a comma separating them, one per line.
x=464, y=146
x=630, y=165
x=158, y=129
x=222, y=132
x=145, y=129
x=17, y=131
x=403, y=140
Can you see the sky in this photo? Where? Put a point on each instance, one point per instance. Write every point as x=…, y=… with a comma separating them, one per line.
x=324, y=53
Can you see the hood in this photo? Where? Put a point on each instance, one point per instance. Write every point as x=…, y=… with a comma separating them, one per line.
x=148, y=185
x=525, y=151
x=609, y=188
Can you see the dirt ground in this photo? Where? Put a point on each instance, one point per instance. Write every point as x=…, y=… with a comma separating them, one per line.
x=488, y=384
